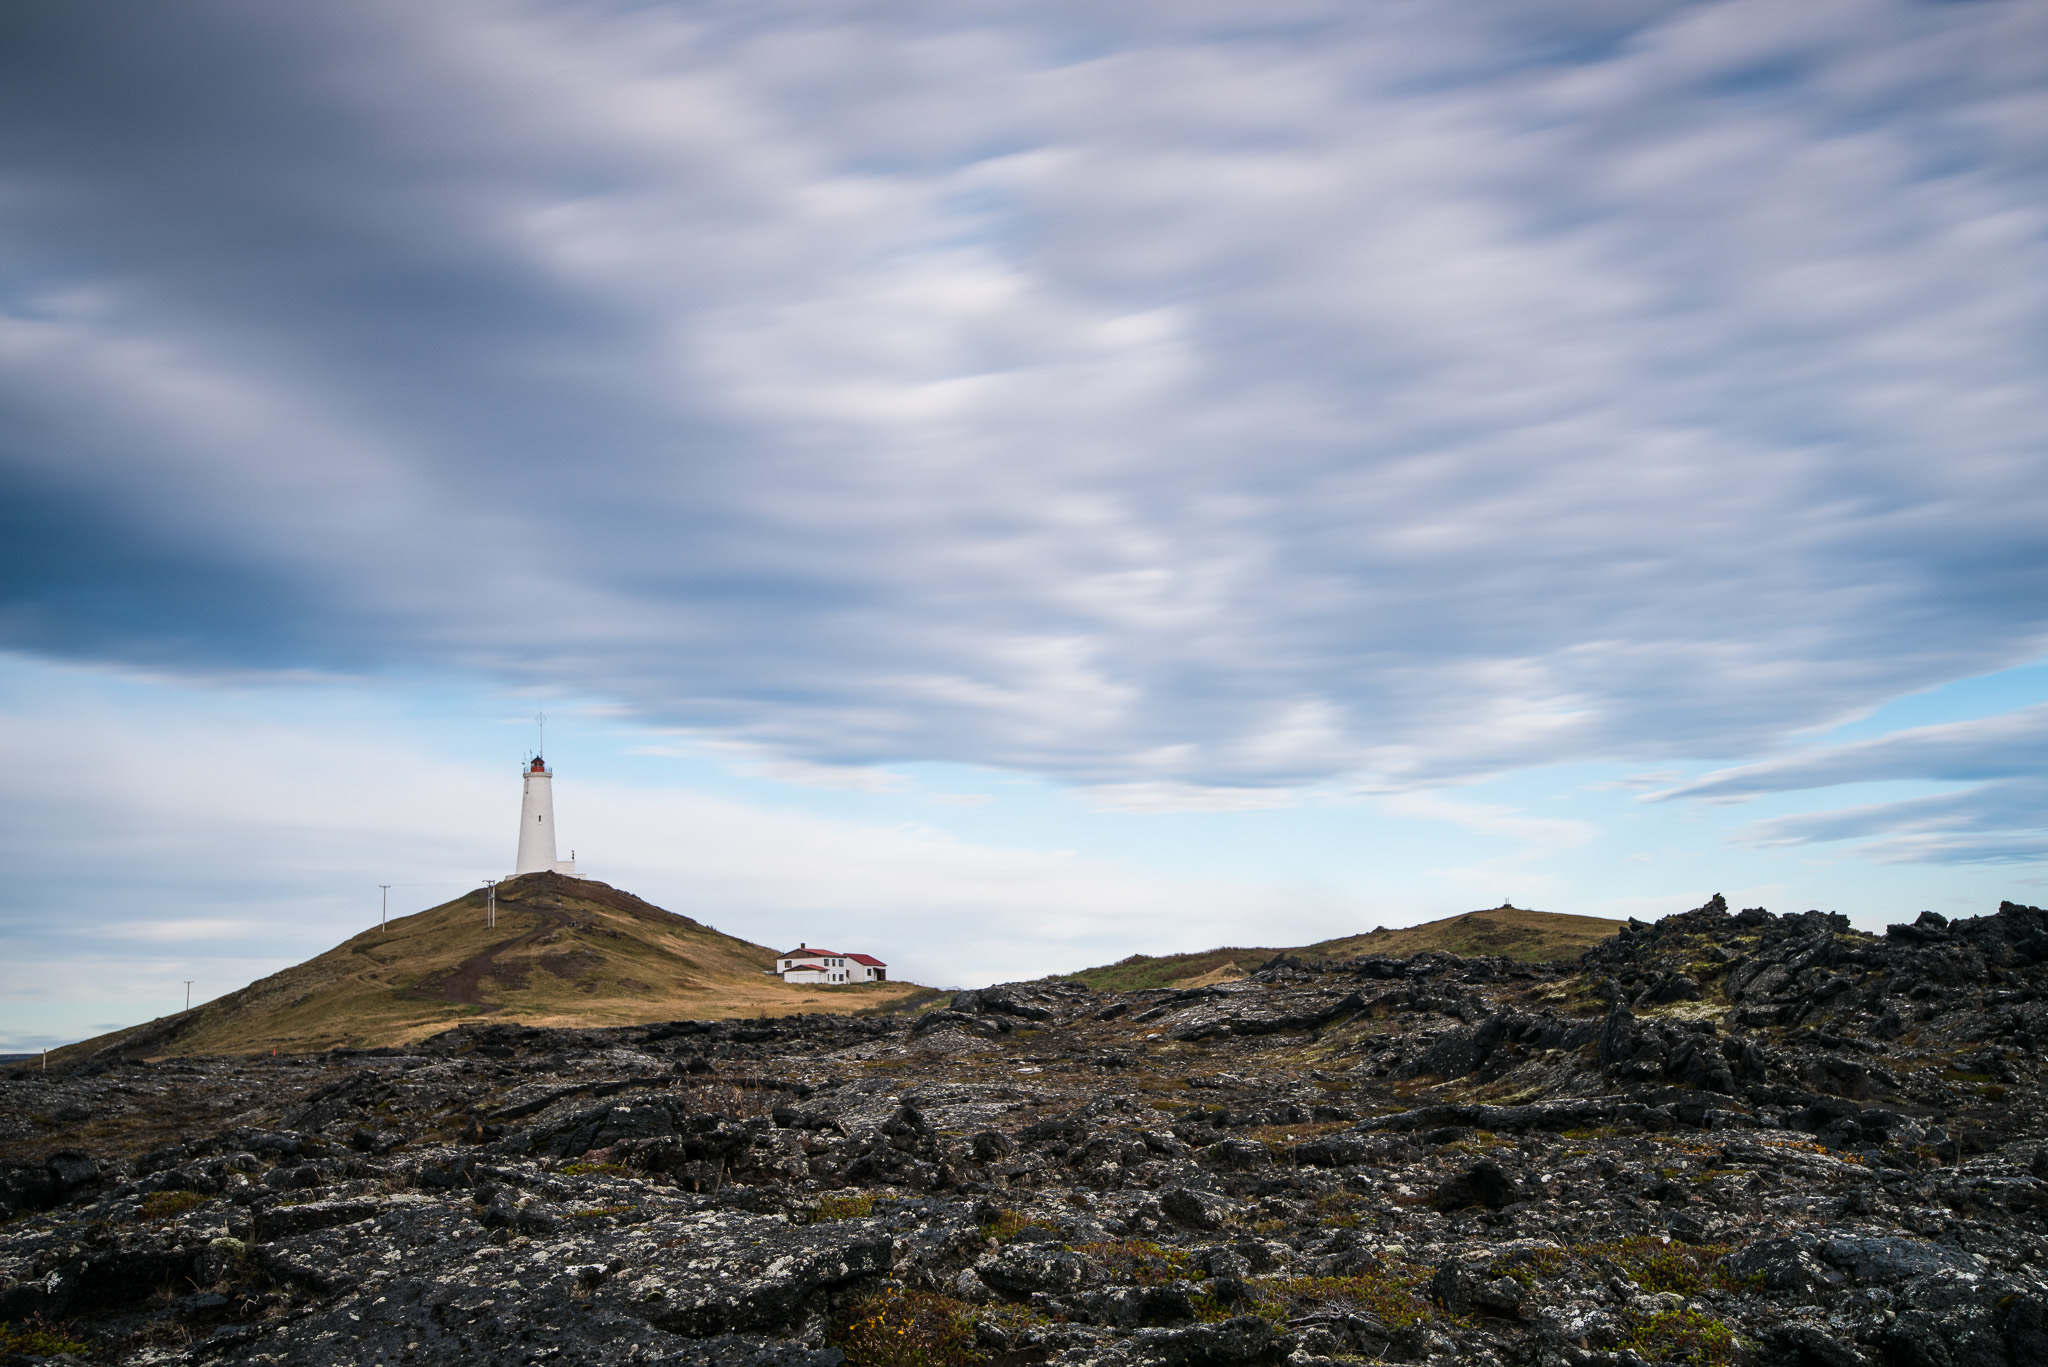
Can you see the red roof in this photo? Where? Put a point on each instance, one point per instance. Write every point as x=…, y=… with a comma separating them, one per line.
x=870, y=960
x=799, y=968
x=802, y=950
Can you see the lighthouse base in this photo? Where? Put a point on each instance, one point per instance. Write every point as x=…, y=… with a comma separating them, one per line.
x=567, y=866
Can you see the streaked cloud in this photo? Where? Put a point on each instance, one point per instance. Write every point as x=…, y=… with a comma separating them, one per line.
x=1175, y=399
x=2002, y=818
x=2013, y=745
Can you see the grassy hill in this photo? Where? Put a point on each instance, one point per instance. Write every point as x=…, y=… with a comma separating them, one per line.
x=566, y=951
x=1510, y=931
x=1141, y=971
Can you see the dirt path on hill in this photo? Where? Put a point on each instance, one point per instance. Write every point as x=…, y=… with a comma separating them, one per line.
x=464, y=985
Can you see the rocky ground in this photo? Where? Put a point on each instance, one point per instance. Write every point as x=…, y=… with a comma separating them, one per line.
x=1725, y=1137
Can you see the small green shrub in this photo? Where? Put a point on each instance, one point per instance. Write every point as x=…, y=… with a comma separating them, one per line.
x=1683, y=1336
x=852, y=1206
x=582, y=1169
x=1480, y=1142
x=35, y=1338
x=905, y=1328
x=162, y=1205
x=1008, y=1224
x=1210, y=1310
x=1527, y=1267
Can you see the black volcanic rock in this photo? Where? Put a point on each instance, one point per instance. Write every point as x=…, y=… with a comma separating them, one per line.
x=1723, y=1136
x=1483, y=1184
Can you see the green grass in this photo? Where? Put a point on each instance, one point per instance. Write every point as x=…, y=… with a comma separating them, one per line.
x=1008, y=1224
x=162, y=1205
x=853, y=1206
x=1683, y=1336
x=36, y=1339
x=1394, y=1293
x=1527, y=1267
x=1658, y=1265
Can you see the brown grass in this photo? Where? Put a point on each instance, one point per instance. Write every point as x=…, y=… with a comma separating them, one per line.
x=162, y=1205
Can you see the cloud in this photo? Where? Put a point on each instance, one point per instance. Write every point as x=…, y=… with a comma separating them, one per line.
x=182, y=932
x=2010, y=744
x=1999, y=819
x=1182, y=797
x=1172, y=402
x=2014, y=744
x=1534, y=832
x=751, y=760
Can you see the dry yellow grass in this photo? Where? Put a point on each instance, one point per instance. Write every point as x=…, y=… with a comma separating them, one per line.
x=1222, y=973
x=1514, y=932
x=565, y=952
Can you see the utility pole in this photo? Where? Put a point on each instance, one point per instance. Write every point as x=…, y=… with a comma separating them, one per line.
x=384, y=911
x=491, y=903
x=188, y=994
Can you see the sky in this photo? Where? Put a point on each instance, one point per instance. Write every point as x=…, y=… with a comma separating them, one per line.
x=1003, y=487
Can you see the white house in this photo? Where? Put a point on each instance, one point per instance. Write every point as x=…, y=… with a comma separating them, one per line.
x=805, y=964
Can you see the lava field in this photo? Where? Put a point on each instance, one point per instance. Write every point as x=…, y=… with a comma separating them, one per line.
x=1725, y=1137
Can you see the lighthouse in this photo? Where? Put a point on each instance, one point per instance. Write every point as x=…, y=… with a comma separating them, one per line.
x=537, y=823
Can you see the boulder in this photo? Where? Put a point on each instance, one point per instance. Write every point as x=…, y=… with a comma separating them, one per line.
x=1485, y=1183
x=1194, y=1209
x=1461, y=1289
x=1239, y=1342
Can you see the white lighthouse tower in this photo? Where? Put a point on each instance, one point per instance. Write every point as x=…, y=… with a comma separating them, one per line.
x=537, y=824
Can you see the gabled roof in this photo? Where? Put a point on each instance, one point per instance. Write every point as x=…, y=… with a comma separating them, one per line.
x=802, y=951
x=870, y=960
